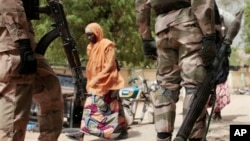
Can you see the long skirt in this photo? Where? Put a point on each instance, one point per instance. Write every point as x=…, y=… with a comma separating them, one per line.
x=222, y=96
x=101, y=115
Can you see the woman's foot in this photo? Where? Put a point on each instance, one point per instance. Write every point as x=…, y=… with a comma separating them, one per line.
x=217, y=116
x=122, y=135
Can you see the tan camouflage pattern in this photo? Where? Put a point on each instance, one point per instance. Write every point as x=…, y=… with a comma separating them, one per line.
x=143, y=12
x=164, y=112
x=178, y=56
x=16, y=90
x=48, y=97
x=47, y=88
x=202, y=10
x=179, y=63
x=13, y=24
x=15, y=98
x=178, y=41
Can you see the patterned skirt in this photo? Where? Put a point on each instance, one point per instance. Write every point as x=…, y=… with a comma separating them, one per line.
x=222, y=96
x=101, y=116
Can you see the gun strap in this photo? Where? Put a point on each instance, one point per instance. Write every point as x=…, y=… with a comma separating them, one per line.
x=209, y=117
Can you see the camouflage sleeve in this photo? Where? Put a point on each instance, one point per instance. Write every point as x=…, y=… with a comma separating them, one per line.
x=204, y=13
x=14, y=18
x=143, y=18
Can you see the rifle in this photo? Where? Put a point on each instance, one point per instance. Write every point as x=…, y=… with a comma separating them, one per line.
x=56, y=11
x=204, y=90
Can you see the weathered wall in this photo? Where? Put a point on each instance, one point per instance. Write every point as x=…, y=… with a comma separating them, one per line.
x=236, y=79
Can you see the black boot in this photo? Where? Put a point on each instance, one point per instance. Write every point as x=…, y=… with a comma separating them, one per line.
x=166, y=139
x=123, y=135
x=163, y=136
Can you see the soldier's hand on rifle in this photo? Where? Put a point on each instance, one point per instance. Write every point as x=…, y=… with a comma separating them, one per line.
x=149, y=48
x=28, y=64
x=208, y=51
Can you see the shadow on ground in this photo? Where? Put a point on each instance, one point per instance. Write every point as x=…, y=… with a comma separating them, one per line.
x=231, y=117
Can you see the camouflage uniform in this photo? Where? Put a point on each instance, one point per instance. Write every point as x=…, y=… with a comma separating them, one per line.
x=16, y=90
x=179, y=31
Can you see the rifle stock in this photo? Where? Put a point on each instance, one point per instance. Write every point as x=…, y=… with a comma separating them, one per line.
x=204, y=90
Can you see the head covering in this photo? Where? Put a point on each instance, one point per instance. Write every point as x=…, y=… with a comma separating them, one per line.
x=96, y=29
x=88, y=30
x=101, y=67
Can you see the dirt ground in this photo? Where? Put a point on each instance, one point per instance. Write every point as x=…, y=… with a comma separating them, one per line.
x=237, y=112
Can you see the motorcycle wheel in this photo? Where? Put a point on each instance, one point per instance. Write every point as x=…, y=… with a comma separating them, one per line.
x=128, y=115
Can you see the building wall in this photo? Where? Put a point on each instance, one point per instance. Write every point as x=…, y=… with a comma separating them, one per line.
x=236, y=79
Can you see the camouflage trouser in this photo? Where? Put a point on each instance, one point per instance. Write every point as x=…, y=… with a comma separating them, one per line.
x=164, y=110
x=16, y=97
x=48, y=97
x=179, y=64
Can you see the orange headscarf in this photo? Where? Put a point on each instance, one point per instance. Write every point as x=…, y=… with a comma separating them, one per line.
x=101, y=70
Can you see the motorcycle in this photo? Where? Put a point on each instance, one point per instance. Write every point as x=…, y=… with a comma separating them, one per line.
x=137, y=99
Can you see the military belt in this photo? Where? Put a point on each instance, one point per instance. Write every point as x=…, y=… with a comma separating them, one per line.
x=166, y=7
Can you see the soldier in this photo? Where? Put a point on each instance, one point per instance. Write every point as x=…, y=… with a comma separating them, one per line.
x=184, y=46
x=22, y=74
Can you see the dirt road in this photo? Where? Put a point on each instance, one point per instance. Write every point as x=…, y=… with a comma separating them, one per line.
x=237, y=112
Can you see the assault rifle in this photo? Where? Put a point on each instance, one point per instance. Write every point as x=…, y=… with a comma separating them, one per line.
x=56, y=11
x=204, y=90
x=70, y=49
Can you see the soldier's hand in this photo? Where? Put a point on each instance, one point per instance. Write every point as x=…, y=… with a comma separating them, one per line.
x=208, y=51
x=149, y=48
x=28, y=64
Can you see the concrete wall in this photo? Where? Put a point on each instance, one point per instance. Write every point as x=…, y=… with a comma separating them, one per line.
x=239, y=79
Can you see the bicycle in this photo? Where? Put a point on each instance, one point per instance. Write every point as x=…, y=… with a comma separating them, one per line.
x=138, y=98
x=60, y=29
